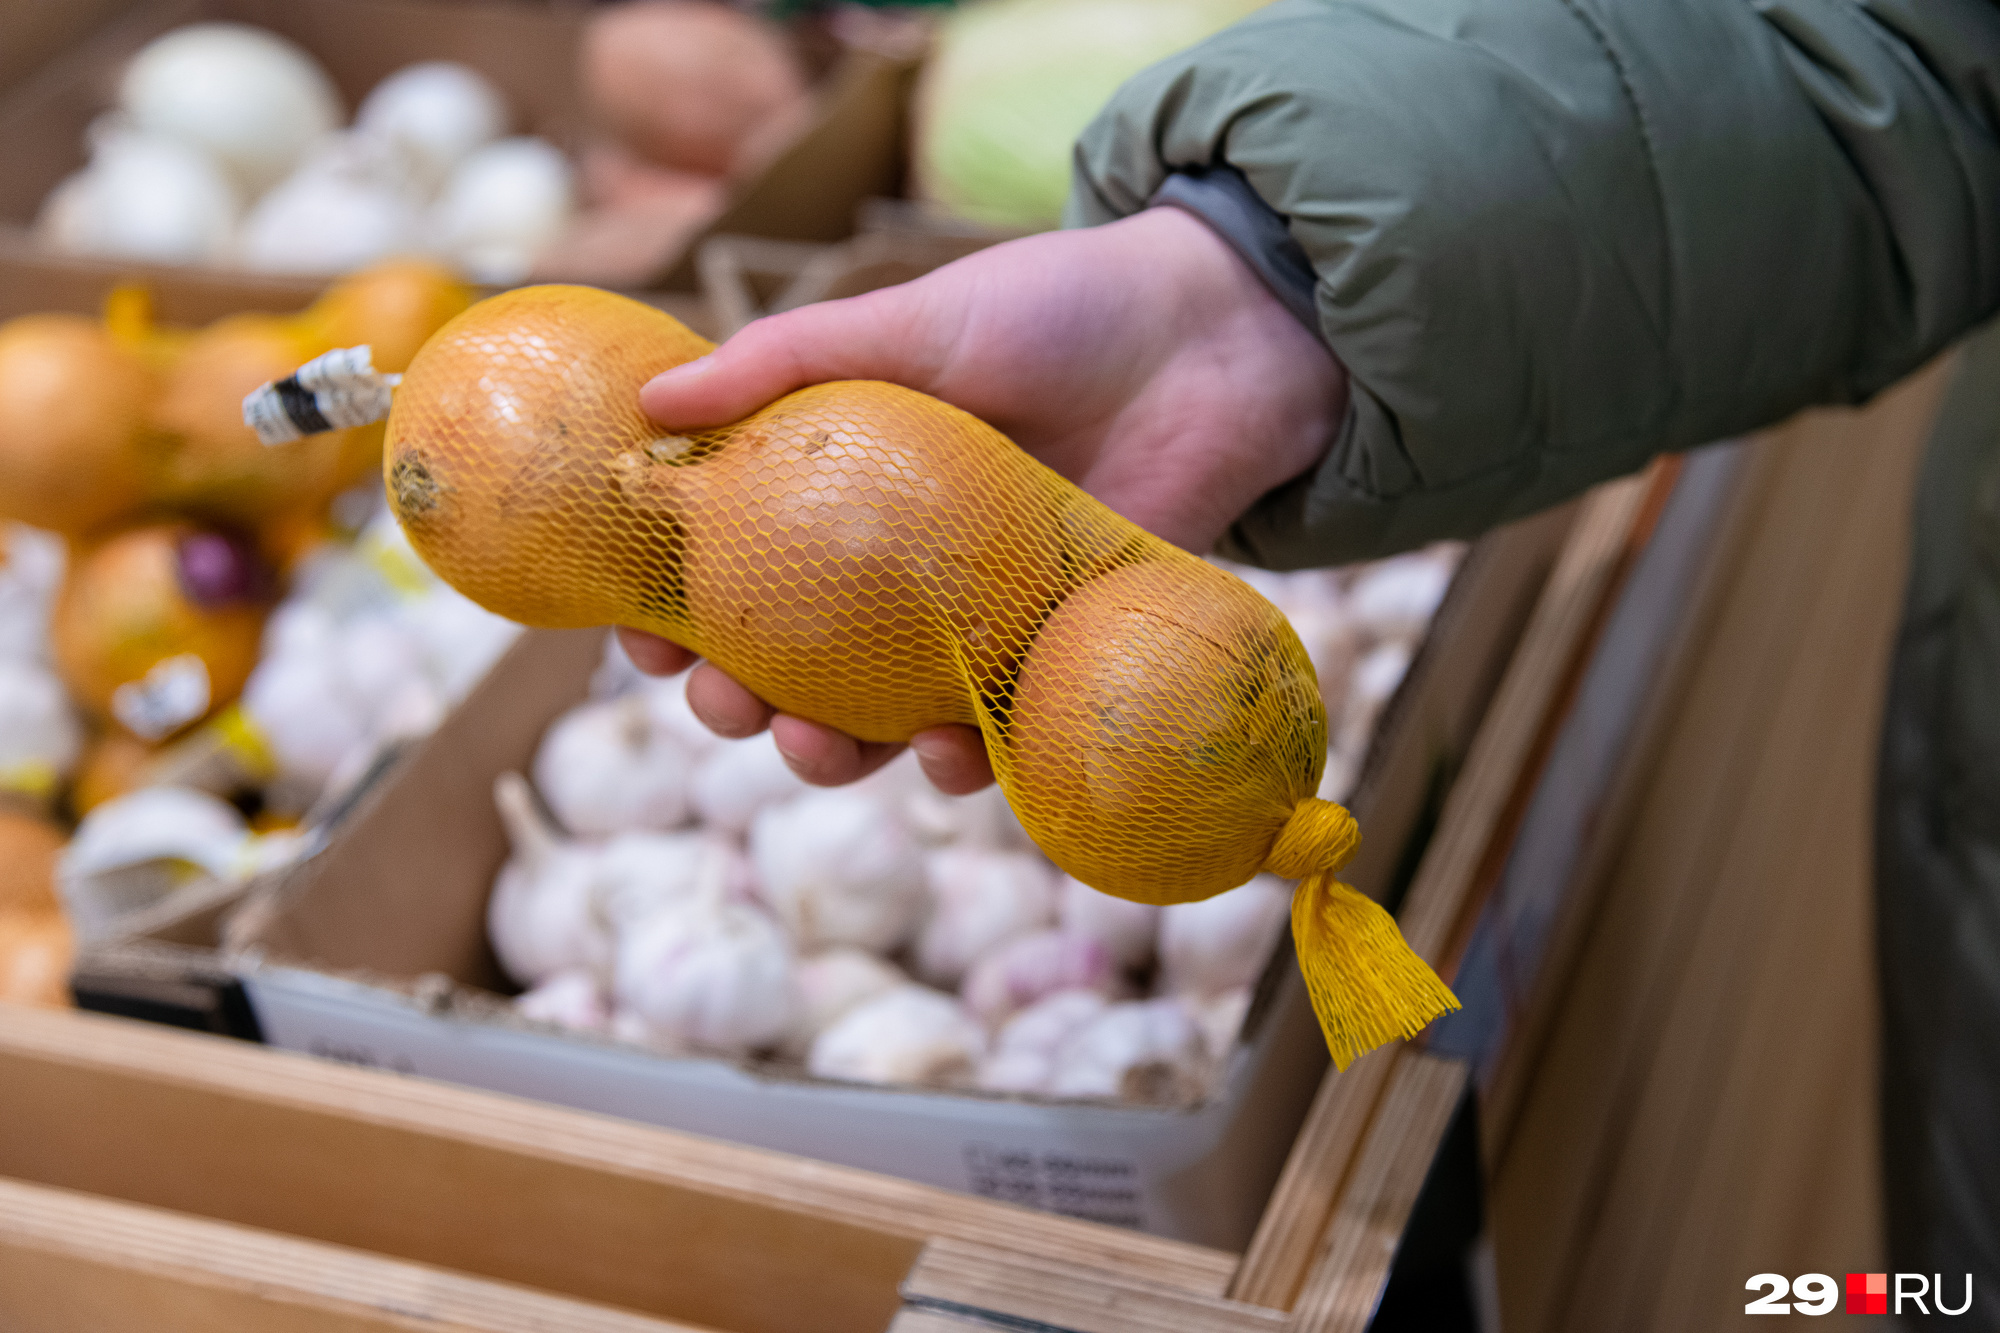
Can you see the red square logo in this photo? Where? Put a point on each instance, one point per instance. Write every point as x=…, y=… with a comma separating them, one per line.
x=1867, y=1293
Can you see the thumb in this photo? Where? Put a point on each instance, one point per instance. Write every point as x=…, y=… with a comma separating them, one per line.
x=863, y=337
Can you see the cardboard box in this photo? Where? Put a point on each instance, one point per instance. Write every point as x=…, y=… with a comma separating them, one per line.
x=375, y=952
x=852, y=148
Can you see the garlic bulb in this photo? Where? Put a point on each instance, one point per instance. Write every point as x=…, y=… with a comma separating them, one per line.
x=1220, y=1018
x=908, y=1035
x=439, y=110
x=710, y=972
x=306, y=718
x=40, y=736
x=31, y=569
x=1223, y=942
x=143, y=196
x=983, y=819
x=1395, y=599
x=667, y=701
x=979, y=899
x=248, y=96
x=134, y=849
x=615, y=673
x=501, y=205
x=376, y=655
x=831, y=983
x=570, y=999
x=327, y=693
x=544, y=917
x=1127, y=928
x=1022, y=971
x=1024, y=1053
x=738, y=779
x=640, y=874
x=838, y=868
x=350, y=204
x=608, y=768
x=410, y=708
x=461, y=638
x=559, y=905
x=1145, y=1051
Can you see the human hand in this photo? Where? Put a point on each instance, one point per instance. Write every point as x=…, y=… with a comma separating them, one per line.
x=1143, y=360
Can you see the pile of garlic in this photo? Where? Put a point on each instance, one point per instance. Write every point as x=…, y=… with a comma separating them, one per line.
x=226, y=147
x=368, y=648
x=690, y=894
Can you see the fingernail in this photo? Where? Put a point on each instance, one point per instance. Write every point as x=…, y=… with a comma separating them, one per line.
x=795, y=762
x=930, y=749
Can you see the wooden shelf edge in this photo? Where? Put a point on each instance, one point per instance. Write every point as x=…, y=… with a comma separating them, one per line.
x=76, y=1260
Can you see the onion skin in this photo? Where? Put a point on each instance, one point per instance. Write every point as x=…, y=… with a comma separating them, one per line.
x=114, y=765
x=123, y=609
x=513, y=494
x=73, y=405
x=35, y=953
x=214, y=465
x=861, y=525
x=1162, y=687
x=688, y=83
x=874, y=560
x=28, y=849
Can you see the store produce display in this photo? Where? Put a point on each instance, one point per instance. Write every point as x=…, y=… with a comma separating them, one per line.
x=1154, y=723
x=690, y=894
x=230, y=146
x=180, y=606
x=226, y=147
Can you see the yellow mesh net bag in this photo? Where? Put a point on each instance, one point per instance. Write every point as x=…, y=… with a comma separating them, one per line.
x=872, y=559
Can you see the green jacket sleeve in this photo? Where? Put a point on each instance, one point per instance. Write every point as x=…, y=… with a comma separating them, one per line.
x=1552, y=238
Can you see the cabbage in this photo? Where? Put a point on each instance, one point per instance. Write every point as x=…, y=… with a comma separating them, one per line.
x=1011, y=83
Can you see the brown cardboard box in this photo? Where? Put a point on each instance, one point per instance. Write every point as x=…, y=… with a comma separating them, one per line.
x=851, y=150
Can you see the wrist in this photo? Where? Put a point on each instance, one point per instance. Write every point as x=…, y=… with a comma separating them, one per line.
x=1261, y=397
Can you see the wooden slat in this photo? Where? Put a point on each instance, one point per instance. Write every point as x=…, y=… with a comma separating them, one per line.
x=1478, y=823
x=1485, y=805
x=1711, y=1050
x=1274, y=1268
x=932, y=1321
x=77, y=1262
x=1735, y=527
x=642, y=1218
x=1352, y=1266
x=962, y=1279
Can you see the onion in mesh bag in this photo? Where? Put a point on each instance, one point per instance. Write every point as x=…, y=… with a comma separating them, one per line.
x=877, y=561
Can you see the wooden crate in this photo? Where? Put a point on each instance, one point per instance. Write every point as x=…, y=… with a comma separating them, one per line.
x=1692, y=1097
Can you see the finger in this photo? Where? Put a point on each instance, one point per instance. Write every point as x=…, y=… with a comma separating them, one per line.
x=654, y=655
x=874, y=337
x=825, y=757
x=725, y=707
x=954, y=759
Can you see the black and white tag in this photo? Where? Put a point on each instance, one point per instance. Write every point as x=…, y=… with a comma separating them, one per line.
x=330, y=392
